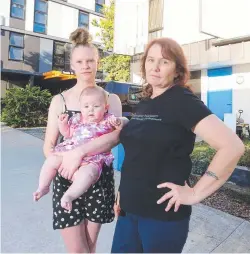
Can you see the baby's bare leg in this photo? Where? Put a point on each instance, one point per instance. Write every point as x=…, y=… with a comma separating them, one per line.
x=84, y=178
x=48, y=172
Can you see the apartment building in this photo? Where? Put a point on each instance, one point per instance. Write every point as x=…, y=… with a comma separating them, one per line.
x=214, y=34
x=34, y=34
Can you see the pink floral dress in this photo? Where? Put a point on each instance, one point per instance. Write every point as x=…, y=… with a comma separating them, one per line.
x=85, y=132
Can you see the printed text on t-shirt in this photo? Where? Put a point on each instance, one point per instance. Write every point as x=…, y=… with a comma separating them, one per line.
x=147, y=117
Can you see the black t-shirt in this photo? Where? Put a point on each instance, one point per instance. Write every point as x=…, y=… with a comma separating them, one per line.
x=158, y=142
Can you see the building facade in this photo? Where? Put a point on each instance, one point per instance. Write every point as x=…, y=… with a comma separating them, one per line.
x=34, y=34
x=215, y=36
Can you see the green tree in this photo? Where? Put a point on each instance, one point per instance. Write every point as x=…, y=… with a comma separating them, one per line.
x=117, y=67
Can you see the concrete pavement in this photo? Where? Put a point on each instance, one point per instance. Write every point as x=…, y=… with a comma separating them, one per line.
x=27, y=226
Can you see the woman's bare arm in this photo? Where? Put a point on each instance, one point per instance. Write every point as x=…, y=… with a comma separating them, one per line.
x=73, y=158
x=229, y=150
x=52, y=131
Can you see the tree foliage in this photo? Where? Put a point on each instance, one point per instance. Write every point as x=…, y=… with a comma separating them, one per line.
x=116, y=67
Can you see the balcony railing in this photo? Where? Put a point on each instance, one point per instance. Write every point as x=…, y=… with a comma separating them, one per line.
x=205, y=53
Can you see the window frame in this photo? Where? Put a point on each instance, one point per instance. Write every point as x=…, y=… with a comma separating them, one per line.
x=16, y=46
x=40, y=12
x=20, y=5
x=54, y=55
x=84, y=13
x=98, y=4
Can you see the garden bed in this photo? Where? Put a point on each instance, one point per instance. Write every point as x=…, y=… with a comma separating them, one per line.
x=230, y=198
x=234, y=196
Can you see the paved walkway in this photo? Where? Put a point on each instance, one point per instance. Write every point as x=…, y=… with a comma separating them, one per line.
x=27, y=226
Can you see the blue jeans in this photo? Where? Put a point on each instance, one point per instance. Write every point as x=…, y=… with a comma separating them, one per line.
x=135, y=234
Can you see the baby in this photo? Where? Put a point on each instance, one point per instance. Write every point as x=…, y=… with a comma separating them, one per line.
x=93, y=122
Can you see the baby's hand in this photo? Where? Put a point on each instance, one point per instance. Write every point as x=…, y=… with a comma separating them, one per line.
x=116, y=122
x=63, y=119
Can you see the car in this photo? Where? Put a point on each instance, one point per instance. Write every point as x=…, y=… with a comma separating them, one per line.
x=129, y=94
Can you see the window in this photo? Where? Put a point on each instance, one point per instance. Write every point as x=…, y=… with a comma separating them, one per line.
x=16, y=47
x=40, y=16
x=17, y=9
x=98, y=5
x=83, y=20
x=155, y=18
x=59, y=56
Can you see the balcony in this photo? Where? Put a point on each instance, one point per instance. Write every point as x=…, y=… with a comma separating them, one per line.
x=217, y=53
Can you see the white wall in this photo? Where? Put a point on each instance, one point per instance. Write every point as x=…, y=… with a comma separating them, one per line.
x=220, y=83
x=223, y=18
x=70, y=23
x=107, y=2
x=226, y=18
x=62, y=20
x=181, y=21
x=241, y=92
x=135, y=72
x=54, y=19
x=131, y=26
x=89, y=4
x=29, y=22
x=204, y=85
x=5, y=11
x=136, y=78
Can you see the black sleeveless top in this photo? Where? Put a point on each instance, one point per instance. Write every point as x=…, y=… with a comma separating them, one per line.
x=67, y=111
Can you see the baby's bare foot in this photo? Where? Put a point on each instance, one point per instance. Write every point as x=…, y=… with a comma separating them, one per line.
x=66, y=202
x=40, y=192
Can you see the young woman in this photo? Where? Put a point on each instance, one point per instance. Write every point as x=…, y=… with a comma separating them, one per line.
x=81, y=226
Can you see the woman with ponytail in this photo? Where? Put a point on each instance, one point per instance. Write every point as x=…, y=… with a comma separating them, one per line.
x=80, y=227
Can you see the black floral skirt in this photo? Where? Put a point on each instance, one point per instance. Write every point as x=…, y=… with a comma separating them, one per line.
x=95, y=205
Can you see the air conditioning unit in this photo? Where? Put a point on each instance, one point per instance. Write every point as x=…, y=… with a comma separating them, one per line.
x=2, y=20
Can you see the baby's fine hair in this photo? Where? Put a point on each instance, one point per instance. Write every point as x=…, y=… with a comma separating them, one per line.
x=94, y=90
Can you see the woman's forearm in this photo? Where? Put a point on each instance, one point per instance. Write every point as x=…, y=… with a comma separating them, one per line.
x=220, y=169
x=47, y=150
x=49, y=144
x=100, y=145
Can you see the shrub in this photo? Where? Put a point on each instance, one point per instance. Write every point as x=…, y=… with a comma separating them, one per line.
x=203, y=154
x=26, y=107
x=201, y=157
x=245, y=159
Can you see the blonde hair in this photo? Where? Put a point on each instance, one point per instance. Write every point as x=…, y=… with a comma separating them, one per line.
x=81, y=38
x=94, y=90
